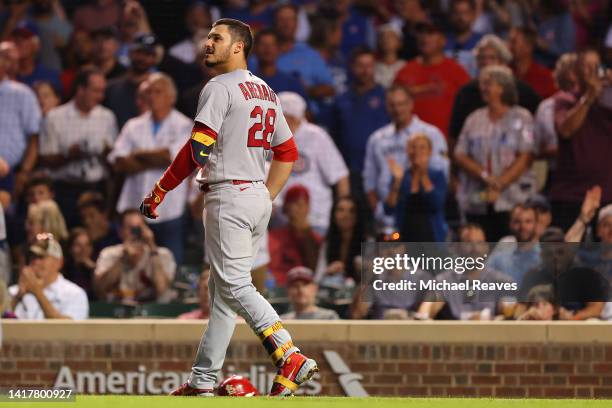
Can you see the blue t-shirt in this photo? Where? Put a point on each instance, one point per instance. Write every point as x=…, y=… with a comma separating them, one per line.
x=306, y=63
x=357, y=30
x=356, y=118
x=42, y=73
x=281, y=82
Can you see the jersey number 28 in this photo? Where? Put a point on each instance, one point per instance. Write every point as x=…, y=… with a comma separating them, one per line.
x=260, y=132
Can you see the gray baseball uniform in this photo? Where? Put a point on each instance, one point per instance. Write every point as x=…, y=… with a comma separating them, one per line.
x=247, y=117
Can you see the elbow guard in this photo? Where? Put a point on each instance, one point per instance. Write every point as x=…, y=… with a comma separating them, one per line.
x=202, y=141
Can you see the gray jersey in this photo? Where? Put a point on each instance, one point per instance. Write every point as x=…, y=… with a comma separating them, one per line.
x=246, y=114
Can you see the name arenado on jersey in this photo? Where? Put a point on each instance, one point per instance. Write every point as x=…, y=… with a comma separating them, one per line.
x=254, y=90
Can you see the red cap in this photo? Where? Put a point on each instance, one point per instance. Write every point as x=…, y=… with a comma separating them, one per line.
x=299, y=273
x=295, y=193
x=237, y=386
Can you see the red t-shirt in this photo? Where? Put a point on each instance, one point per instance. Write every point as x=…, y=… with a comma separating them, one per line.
x=285, y=253
x=434, y=88
x=540, y=79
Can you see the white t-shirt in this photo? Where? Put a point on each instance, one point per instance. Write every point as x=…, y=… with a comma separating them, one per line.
x=137, y=134
x=94, y=133
x=545, y=134
x=319, y=167
x=65, y=296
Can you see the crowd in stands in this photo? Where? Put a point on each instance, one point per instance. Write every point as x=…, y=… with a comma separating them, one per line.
x=470, y=121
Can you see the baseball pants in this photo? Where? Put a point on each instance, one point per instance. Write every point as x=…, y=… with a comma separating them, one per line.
x=236, y=220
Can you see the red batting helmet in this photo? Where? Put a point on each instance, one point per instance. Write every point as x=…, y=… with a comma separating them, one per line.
x=237, y=386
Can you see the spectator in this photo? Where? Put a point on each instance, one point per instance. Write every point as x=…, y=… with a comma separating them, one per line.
x=144, y=149
x=42, y=291
x=104, y=55
x=326, y=38
x=97, y=14
x=198, y=23
x=340, y=253
x=590, y=205
x=389, y=304
x=543, y=213
x=5, y=256
x=137, y=269
x=516, y=259
x=30, y=69
x=579, y=291
x=54, y=29
x=494, y=153
x=47, y=96
x=80, y=265
x=410, y=14
x=546, y=138
x=489, y=51
x=417, y=194
x=45, y=216
x=78, y=55
x=10, y=53
x=203, y=295
x=469, y=304
x=95, y=217
x=5, y=300
x=432, y=78
x=584, y=124
x=390, y=141
x=39, y=188
x=540, y=304
x=302, y=291
x=358, y=112
x=20, y=124
x=296, y=244
x=75, y=140
x=121, y=92
x=320, y=166
x=133, y=24
x=522, y=43
x=462, y=38
x=266, y=52
x=556, y=31
x=389, y=61
x=357, y=27
x=299, y=59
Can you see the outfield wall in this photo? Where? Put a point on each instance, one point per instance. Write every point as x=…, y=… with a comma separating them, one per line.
x=501, y=359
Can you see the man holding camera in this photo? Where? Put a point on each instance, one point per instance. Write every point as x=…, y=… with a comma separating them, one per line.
x=137, y=269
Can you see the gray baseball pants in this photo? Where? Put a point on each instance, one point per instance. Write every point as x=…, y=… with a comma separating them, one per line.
x=237, y=216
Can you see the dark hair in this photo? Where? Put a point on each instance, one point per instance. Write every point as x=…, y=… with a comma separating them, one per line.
x=468, y=226
x=239, y=31
x=128, y=212
x=265, y=32
x=359, y=51
x=531, y=35
x=471, y=3
x=322, y=27
x=399, y=87
x=334, y=239
x=82, y=78
x=39, y=179
x=92, y=199
x=525, y=207
x=75, y=233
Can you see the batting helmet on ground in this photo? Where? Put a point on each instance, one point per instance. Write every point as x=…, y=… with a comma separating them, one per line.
x=237, y=386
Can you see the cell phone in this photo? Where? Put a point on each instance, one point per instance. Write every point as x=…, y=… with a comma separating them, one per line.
x=136, y=233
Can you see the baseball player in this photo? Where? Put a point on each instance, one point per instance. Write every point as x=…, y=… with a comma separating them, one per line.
x=239, y=122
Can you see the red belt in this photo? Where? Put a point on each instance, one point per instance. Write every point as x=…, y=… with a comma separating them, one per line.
x=206, y=186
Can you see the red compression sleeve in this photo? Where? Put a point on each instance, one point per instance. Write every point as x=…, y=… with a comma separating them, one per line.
x=183, y=164
x=286, y=151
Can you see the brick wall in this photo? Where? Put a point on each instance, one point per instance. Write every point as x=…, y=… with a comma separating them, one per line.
x=402, y=369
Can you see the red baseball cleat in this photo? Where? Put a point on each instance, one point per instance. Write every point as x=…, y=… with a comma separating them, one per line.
x=296, y=370
x=187, y=390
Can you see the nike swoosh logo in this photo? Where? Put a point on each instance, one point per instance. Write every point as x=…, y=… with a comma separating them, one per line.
x=203, y=154
x=243, y=188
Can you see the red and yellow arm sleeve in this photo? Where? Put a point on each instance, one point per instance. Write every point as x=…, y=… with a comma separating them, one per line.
x=192, y=155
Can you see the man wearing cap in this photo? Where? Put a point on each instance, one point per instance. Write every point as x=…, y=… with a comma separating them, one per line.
x=105, y=46
x=320, y=167
x=432, y=78
x=42, y=291
x=121, y=92
x=302, y=291
x=295, y=244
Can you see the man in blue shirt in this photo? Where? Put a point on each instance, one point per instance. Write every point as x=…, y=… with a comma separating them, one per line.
x=31, y=71
x=266, y=52
x=299, y=59
x=517, y=255
x=461, y=40
x=358, y=113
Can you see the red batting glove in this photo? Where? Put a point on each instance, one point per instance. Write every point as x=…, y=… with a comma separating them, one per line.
x=151, y=201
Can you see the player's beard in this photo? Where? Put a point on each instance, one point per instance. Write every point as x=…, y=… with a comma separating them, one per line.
x=222, y=58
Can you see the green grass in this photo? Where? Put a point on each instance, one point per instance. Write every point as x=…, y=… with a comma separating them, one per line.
x=308, y=402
